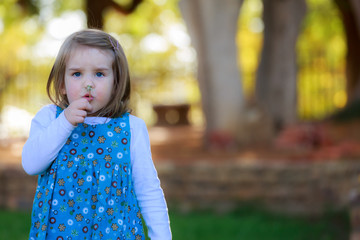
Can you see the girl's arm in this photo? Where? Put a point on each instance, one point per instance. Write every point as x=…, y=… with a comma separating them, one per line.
x=147, y=184
x=48, y=135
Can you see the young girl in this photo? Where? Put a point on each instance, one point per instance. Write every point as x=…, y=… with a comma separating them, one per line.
x=96, y=175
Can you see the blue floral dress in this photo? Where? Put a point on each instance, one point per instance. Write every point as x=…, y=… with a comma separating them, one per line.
x=87, y=192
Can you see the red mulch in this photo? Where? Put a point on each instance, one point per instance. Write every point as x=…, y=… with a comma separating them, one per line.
x=302, y=142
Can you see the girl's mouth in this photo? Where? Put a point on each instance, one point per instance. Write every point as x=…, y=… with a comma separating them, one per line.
x=88, y=97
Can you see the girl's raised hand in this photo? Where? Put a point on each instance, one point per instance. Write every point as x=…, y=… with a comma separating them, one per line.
x=77, y=111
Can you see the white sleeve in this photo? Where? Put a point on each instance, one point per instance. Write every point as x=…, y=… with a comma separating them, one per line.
x=147, y=184
x=48, y=135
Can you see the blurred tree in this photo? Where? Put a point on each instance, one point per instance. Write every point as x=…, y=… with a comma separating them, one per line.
x=161, y=58
x=350, y=12
x=212, y=25
x=16, y=31
x=28, y=6
x=95, y=10
x=155, y=24
x=321, y=62
x=277, y=73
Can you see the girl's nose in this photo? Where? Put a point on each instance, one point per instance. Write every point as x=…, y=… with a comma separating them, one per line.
x=89, y=88
x=89, y=82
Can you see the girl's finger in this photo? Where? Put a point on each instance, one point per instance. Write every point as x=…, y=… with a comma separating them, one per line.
x=88, y=107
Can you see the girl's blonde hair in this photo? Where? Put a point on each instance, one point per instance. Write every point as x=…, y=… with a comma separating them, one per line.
x=101, y=40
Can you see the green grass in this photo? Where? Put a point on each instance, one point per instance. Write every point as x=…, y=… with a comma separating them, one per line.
x=14, y=225
x=254, y=224
x=245, y=223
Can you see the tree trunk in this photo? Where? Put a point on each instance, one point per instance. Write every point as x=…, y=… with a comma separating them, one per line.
x=350, y=12
x=95, y=10
x=212, y=25
x=277, y=72
x=94, y=13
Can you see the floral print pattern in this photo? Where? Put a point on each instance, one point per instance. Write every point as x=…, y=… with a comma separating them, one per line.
x=87, y=192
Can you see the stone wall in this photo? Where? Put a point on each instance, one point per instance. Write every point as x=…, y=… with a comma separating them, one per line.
x=300, y=187
x=17, y=189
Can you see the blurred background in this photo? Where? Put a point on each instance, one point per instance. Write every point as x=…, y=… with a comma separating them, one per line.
x=252, y=108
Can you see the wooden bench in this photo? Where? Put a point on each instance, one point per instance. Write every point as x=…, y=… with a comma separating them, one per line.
x=172, y=114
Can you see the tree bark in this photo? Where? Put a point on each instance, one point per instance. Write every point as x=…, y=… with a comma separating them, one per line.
x=95, y=10
x=94, y=13
x=277, y=72
x=350, y=12
x=212, y=25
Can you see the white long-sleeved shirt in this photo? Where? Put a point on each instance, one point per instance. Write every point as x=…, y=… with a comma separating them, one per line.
x=49, y=134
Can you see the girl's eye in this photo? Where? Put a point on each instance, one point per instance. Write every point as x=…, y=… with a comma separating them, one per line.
x=77, y=74
x=99, y=74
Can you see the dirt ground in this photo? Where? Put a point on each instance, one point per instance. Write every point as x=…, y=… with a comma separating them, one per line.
x=10, y=151
x=184, y=144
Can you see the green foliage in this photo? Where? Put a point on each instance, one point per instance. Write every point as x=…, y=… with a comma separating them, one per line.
x=67, y=5
x=321, y=53
x=321, y=56
x=351, y=112
x=249, y=40
x=19, y=32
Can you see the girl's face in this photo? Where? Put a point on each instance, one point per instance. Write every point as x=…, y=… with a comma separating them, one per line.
x=89, y=68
